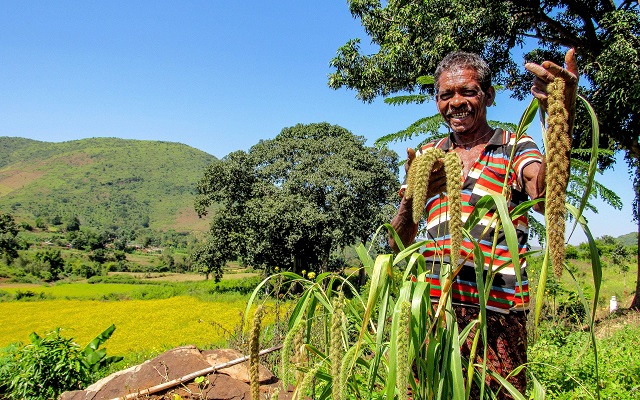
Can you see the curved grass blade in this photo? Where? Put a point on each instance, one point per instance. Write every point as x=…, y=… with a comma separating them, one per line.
x=527, y=117
x=542, y=284
x=596, y=269
x=596, y=266
x=593, y=162
x=508, y=386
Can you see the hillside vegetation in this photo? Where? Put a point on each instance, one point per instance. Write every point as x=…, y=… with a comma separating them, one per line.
x=103, y=182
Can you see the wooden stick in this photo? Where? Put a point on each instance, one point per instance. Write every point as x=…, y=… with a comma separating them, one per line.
x=193, y=375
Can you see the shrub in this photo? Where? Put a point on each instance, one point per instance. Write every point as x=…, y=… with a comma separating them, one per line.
x=571, y=252
x=553, y=362
x=50, y=365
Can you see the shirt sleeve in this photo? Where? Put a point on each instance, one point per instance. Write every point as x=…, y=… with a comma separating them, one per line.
x=526, y=153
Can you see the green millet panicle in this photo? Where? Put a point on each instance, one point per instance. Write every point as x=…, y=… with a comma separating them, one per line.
x=300, y=356
x=453, y=171
x=345, y=366
x=287, y=347
x=335, y=348
x=557, y=173
x=254, y=349
x=402, y=355
x=418, y=180
x=307, y=383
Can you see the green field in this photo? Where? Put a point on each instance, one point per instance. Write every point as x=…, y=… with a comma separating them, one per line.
x=75, y=290
x=141, y=325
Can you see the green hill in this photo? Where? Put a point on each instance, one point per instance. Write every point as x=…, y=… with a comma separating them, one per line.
x=104, y=182
x=629, y=239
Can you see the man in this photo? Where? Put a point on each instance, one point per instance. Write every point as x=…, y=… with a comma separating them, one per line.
x=463, y=93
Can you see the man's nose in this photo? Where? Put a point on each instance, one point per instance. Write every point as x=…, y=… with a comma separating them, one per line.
x=457, y=100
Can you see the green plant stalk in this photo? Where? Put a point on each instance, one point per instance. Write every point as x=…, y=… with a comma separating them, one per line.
x=254, y=349
x=597, y=280
x=336, y=347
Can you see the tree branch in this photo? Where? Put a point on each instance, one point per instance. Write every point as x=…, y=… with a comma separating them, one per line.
x=566, y=38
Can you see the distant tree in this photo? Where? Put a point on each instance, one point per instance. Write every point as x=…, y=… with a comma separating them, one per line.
x=571, y=252
x=620, y=257
x=72, y=224
x=56, y=220
x=40, y=224
x=293, y=200
x=209, y=259
x=607, y=239
x=99, y=255
x=53, y=263
x=9, y=244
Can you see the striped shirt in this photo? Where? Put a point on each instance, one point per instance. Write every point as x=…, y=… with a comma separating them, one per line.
x=487, y=176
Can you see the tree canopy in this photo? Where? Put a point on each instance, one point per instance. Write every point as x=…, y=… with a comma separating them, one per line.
x=412, y=36
x=294, y=200
x=8, y=242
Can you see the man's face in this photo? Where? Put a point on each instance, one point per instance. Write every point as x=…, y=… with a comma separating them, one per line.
x=462, y=102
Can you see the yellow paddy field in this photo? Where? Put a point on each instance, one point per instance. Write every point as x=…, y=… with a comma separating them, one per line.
x=141, y=325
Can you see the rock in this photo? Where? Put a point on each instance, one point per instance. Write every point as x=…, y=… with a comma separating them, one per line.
x=224, y=384
x=238, y=371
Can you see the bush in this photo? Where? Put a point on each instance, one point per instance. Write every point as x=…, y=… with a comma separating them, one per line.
x=50, y=365
x=571, y=252
x=566, y=367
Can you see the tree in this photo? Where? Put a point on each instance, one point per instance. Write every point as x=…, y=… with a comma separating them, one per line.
x=9, y=244
x=413, y=36
x=619, y=256
x=72, y=224
x=52, y=262
x=294, y=200
x=208, y=259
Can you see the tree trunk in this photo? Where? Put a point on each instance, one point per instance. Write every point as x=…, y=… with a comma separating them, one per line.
x=635, y=304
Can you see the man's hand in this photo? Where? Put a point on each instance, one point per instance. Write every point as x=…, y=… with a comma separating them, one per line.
x=535, y=174
x=548, y=71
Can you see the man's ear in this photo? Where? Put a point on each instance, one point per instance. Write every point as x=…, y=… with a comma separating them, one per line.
x=490, y=96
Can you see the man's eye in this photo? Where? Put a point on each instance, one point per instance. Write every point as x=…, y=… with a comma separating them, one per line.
x=469, y=93
x=444, y=96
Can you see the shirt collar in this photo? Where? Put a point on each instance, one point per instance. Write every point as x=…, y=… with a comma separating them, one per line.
x=499, y=138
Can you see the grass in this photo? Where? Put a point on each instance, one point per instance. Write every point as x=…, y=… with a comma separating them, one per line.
x=613, y=284
x=561, y=359
x=79, y=291
x=103, y=289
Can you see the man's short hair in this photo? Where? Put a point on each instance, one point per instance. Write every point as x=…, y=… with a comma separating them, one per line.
x=464, y=60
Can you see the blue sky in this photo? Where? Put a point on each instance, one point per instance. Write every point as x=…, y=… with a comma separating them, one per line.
x=216, y=75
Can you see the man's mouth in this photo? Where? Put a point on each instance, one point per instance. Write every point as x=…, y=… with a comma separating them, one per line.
x=459, y=114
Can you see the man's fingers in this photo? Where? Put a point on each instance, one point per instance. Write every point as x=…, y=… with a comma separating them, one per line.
x=540, y=72
x=411, y=155
x=572, y=65
x=570, y=74
x=549, y=70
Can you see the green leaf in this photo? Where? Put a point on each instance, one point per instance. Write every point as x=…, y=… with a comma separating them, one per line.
x=593, y=162
x=507, y=386
x=527, y=117
x=542, y=284
x=99, y=340
x=408, y=99
x=426, y=80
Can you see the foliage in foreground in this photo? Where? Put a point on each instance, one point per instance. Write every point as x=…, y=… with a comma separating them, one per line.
x=560, y=360
x=50, y=365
